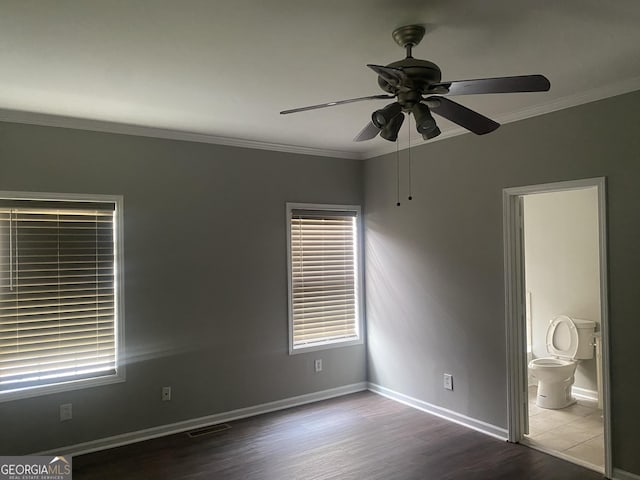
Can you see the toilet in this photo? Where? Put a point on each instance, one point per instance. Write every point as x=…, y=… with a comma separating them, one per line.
x=568, y=341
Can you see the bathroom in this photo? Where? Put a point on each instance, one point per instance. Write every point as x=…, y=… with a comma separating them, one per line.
x=562, y=279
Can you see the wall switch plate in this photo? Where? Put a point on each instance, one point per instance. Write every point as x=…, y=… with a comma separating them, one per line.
x=166, y=394
x=448, y=381
x=317, y=365
x=66, y=412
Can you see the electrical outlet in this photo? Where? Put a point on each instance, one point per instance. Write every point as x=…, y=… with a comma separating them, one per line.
x=317, y=365
x=166, y=394
x=66, y=412
x=448, y=381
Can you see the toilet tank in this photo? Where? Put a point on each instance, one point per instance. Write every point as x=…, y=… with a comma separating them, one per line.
x=586, y=329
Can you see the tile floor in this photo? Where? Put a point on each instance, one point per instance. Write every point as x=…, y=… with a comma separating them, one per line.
x=576, y=431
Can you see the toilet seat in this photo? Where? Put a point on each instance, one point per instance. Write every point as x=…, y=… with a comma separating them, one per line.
x=562, y=337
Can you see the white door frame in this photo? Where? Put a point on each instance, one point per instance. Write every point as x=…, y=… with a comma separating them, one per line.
x=517, y=391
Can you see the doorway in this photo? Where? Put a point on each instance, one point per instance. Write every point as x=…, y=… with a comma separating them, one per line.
x=553, y=270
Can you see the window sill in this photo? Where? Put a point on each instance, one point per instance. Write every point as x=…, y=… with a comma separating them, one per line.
x=61, y=387
x=324, y=346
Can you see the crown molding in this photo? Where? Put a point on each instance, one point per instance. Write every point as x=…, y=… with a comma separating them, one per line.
x=581, y=98
x=49, y=120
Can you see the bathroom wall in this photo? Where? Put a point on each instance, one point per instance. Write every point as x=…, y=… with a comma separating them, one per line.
x=562, y=269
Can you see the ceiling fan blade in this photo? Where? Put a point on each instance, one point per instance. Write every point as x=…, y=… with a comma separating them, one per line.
x=523, y=83
x=473, y=121
x=393, y=76
x=367, y=133
x=339, y=102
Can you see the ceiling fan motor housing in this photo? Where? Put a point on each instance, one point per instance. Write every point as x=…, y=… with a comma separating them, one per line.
x=420, y=74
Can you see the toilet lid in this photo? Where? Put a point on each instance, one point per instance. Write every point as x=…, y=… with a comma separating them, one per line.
x=562, y=337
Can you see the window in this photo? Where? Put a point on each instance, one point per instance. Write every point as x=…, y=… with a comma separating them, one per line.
x=325, y=302
x=60, y=321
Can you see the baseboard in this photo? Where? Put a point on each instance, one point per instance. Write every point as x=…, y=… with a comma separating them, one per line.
x=170, y=429
x=622, y=475
x=480, y=426
x=584, y=393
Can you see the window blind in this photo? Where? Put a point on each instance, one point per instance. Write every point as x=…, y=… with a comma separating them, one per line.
x=57, y=297
x=324, y=277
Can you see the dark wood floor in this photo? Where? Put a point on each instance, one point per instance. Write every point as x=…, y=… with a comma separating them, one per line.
x=361, y=437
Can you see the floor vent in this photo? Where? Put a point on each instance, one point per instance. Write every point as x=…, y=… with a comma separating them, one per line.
x=211, y=429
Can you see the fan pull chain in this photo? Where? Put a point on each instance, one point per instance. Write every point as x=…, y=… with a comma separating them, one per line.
x=397, y=175
x=410, y=189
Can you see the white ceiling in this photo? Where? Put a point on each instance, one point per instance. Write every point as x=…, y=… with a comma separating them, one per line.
x=221, y=71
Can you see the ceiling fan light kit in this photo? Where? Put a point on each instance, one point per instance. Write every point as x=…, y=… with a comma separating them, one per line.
x=432, y=134
x=425, y=124
x=391, y=129
x=417, y=87
x=382, y=117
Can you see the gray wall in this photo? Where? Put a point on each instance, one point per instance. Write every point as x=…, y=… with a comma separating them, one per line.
x=205, y=277
x=205, y=271
x=434, y=268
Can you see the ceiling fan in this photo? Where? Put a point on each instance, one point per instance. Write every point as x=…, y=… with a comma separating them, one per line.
x=417, y=87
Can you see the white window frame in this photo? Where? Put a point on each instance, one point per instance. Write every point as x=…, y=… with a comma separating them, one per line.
x=120, y=375
x=324, y=345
